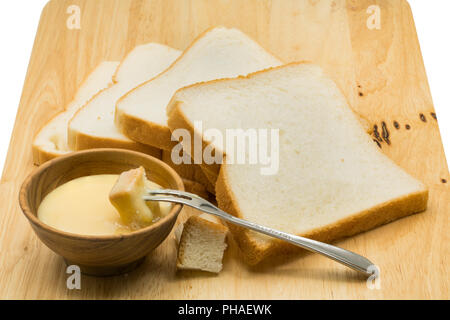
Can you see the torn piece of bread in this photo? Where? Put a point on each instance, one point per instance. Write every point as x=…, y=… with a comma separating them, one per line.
x=190, y=172
x=202, y=243
x=218, y=53
x=332, y=180
x=127, y=197
x=51, y=141
x=93, y=125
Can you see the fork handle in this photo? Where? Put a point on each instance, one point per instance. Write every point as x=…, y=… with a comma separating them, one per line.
x=348, y=258
x=345, y=257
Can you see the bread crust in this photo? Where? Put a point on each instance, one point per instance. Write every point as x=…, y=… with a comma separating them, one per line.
x=256, y=251
x=144, y=132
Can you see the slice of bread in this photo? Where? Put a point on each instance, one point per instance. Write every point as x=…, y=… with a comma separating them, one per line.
x=93, y=125
x=218, y=53
x=332, y=182
x=202, y=243
x=191, y=172
x=51, y=141
x=211, y=172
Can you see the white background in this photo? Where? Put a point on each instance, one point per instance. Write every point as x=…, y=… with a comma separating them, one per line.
x=19, y=20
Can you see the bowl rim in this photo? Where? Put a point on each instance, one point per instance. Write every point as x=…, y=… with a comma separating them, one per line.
x=25, y=208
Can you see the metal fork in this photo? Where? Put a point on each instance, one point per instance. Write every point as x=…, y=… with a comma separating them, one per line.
x=345, y=257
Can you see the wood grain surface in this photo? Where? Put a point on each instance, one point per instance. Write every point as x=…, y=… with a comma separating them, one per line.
x=381, y=72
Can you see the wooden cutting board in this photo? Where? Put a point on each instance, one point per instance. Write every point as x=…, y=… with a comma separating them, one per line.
x=379, y=69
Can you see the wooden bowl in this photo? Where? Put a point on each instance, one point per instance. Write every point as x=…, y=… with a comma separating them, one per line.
x=98, y=255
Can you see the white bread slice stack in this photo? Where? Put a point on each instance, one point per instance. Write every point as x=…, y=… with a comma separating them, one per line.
x=202, y=243
x=218, y=53
x=51, y=141
x=93, y=125
x=332, y=182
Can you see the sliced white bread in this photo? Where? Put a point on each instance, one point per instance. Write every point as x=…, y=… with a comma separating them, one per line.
x=93, y=125
x=211, y=172
x=332, y=182
x=51, y=141
x=202, y=243
x=218, y=53
x=191, y=172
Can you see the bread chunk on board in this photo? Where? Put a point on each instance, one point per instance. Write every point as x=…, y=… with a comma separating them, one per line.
x=202, y=243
